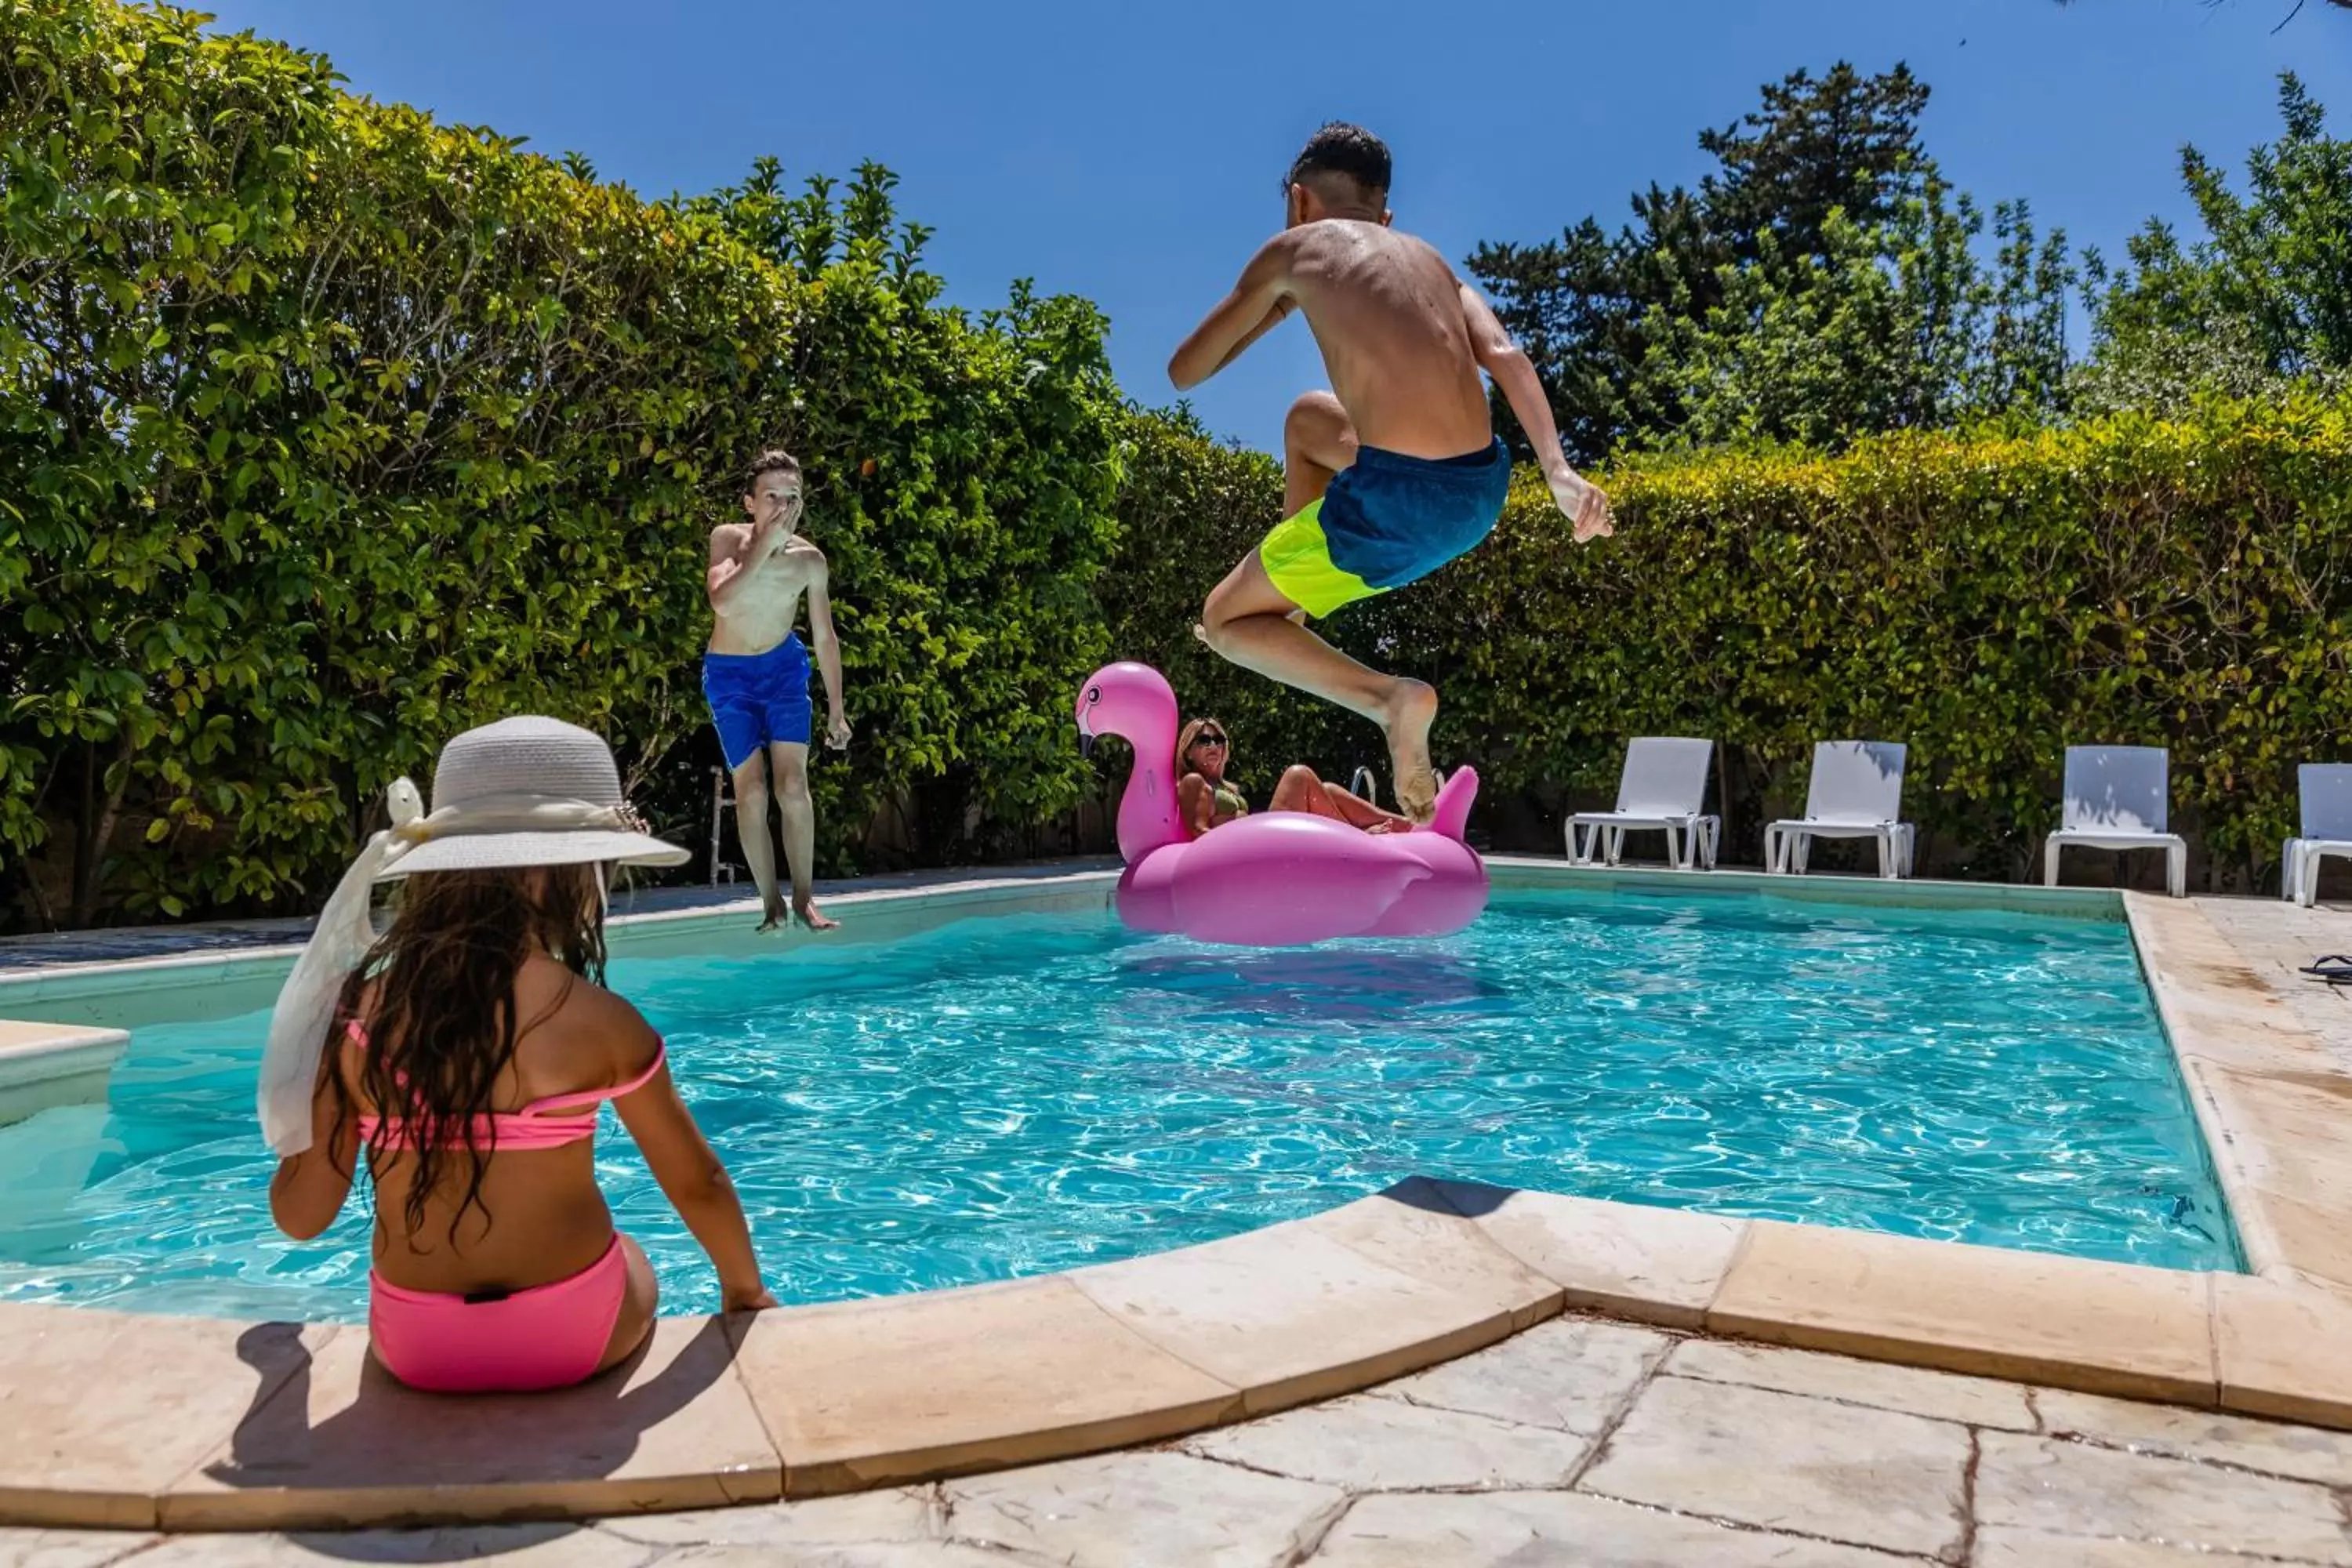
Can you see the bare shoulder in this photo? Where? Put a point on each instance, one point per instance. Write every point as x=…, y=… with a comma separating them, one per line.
x=728, y=537
x=1280, y=257
x=1336, y=248
x=803, y=562
x=1412, y=248
x=1312, y=242
x=583, y=1022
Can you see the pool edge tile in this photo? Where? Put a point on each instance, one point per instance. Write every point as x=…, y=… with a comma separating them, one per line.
x=62, y=1368
x=1287, y=1314
x=2283, y=1162
x=2028, y=1317
x=673, y=1429
x=1410, y=1228
x=1649, y=1264
x=2283, y=1351
x=892, y=1390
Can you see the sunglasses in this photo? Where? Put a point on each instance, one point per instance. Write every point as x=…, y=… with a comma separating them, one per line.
x=1210, y=739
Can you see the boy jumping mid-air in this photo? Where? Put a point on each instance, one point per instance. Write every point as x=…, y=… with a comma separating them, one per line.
x=756, y=677
x=1393, y=472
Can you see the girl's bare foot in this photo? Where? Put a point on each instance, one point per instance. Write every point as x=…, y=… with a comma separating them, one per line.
x=773, y=920
x=1411, y=709
x=814, y=919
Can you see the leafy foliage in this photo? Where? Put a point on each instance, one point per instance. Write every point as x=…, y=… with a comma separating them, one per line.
x=2263, y=300
x=1988, y=598
x=1824, y=284
x=1888, y=328
x=326, y=431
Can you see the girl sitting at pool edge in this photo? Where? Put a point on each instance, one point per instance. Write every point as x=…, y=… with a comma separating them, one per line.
x=1205, y=798
x=466, y=1057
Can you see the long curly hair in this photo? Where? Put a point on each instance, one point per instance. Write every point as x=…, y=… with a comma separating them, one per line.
x=442, y=1026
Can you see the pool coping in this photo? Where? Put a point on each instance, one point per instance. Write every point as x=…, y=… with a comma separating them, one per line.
x=44, y=1065
x=196, y=1424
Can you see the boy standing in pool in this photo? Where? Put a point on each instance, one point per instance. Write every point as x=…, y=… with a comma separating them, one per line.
x=756, y=677
x=1393, y=472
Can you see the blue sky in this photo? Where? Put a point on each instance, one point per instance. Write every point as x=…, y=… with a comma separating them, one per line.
x=1131, y=154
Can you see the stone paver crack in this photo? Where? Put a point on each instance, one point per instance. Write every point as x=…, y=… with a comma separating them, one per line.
x=1965, y=1549
x=1315, y=1532
x=1601, y=1439
x=1256, y=1469
x=2156, y=1450
x=1439, y=1404
x=943, y=1511
x=2182, y=1550
x=1748, y=1526
x=986, y=1548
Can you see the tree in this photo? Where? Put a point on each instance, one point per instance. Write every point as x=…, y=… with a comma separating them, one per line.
x=1844, y=144
x=1586, y=304
x=2265, y=297
x=1892, y=326
x=1821, y=284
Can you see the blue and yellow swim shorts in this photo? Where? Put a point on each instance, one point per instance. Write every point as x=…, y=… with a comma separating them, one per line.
x=1387, y=519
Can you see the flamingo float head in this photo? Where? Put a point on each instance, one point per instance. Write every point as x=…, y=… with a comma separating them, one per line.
x=1135, y=702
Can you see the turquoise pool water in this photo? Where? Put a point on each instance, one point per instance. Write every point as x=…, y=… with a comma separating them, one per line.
x=1009, y=1094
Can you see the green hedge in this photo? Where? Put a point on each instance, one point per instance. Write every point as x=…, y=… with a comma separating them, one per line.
x=1988, y=599
x=326, y=431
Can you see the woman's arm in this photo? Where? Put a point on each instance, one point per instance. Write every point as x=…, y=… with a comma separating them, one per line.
x=1196, y=804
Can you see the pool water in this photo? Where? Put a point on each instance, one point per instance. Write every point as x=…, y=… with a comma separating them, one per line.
x=1008, y=1094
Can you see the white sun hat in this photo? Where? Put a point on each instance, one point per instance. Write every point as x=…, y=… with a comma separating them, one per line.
x=526, y=791
x=500, y=795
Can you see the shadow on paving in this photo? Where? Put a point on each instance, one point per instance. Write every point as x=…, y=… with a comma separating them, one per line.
x=340, y=1440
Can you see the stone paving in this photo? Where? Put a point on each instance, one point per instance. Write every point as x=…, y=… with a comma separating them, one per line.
x=1579, y=1442
x=2278, y=938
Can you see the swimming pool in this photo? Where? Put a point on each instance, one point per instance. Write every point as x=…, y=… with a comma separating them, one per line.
x=1006, y=1095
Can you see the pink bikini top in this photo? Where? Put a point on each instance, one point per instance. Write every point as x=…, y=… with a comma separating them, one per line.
x=538, y=1125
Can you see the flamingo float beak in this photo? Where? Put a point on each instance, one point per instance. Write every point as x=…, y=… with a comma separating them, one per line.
x=1086, y=744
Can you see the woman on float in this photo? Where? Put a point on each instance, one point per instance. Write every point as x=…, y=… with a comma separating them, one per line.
x=464, y=1054
x=1206, y=798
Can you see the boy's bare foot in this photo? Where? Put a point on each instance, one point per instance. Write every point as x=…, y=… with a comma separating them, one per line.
x=814, y=919
x=1411, y=709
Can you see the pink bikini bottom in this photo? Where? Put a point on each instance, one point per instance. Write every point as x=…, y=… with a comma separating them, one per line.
x=548, y=1336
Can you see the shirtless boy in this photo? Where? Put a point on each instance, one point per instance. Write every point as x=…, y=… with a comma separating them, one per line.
x=756, y=676
x=1393, y=472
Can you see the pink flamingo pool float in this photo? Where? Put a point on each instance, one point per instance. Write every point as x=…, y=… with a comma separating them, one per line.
x=1280, y=878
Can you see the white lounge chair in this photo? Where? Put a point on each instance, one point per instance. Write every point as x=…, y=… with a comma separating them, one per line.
x=2326, y=792
x=1663, y=789
x=2119, y=797
x=1856, y=793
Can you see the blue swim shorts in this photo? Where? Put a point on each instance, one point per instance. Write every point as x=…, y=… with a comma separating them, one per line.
x=758, y=698
x=1387, y=519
